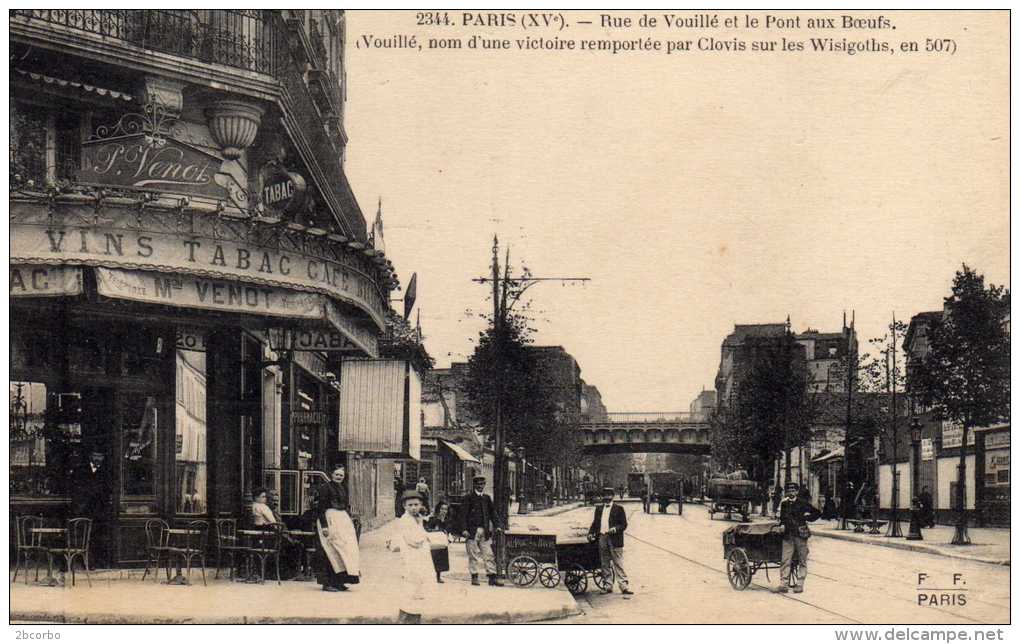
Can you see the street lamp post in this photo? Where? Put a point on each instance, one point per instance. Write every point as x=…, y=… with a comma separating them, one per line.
x=522, y=469
x=851, y=367
x=914, y=531
x=894, y=520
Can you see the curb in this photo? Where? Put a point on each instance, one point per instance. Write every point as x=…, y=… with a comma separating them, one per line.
x=910, y=546
x=495, y=617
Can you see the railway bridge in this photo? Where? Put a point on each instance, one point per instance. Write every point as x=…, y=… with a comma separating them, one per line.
x=648, y=432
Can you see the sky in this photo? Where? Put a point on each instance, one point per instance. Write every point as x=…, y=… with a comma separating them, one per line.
x=696, y=191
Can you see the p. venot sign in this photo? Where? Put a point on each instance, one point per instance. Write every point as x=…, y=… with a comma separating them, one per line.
x=135, y=162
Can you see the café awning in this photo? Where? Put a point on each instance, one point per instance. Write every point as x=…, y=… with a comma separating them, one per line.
x=459, y=452
x=228, y=296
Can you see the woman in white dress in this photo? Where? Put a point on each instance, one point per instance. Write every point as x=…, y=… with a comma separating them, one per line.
x=412, y=542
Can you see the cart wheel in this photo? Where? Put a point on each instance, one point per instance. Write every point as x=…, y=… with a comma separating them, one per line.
x=549, y=576
x=602, y=581
x=522, y=570
x=738, y=569
x=576, y=580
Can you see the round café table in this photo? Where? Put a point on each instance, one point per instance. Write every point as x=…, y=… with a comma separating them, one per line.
x=51, y=535
x=176, y=534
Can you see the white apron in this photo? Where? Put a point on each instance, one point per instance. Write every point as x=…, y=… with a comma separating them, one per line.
x=419, y=573
x=341, y=546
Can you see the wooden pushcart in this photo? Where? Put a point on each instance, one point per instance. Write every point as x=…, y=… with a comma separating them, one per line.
x=535, y=556
x=750, y=547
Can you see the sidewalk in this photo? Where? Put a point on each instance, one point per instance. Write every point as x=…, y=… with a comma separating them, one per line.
x=988, y=545
x=121, y=597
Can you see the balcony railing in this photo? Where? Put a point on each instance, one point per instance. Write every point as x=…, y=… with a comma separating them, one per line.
x=240, y=38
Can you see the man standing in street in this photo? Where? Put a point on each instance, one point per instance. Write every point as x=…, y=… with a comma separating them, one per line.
x=794, y=513
x=479, y=526
x=607, y=527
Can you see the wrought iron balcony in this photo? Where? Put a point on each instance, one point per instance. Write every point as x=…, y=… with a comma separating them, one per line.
x=239, y=38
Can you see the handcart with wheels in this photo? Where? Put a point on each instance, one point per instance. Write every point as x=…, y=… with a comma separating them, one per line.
x=577, y=560
x=531, y=556
x=750, y=547
x=547, y=559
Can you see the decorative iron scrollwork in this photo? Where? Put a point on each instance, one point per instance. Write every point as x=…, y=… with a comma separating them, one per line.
x=156, y=122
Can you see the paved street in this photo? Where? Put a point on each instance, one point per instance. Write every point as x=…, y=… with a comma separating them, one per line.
x=677, y=570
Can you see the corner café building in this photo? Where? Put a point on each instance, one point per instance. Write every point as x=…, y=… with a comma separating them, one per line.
x=195, y=341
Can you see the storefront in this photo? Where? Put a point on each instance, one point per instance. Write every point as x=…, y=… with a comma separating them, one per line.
x=993, y=496
x=123, y=347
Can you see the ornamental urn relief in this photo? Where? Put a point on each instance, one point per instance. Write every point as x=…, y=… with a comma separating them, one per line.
x=234, y=125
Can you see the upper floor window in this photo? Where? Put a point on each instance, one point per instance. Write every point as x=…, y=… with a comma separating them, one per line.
x=45, y=143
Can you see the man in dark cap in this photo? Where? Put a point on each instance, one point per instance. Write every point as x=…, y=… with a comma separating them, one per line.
x=92, y=498
x=607, y=527
x=479, y=526
x=794, y=513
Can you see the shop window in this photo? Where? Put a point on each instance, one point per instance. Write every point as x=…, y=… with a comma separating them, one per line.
x=140, y=421
x=190, y=420
x=308, y=419
x=41, y=441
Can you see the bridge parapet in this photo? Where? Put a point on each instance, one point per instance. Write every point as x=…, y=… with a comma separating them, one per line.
x=655, y=435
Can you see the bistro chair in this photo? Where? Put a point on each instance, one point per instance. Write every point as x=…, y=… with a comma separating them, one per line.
x=190, y=547
x=27, y=544
x=227, y=545
x=265, y=546
x=156, y=544
x=76, y=546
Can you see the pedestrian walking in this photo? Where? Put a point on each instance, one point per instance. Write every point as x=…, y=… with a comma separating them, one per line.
x=927, y=512
x=423, y=488
x=607, y=527
x=829, y=508
x=646, y=500
x=794, y=513
x=412, y=542
x=479, y=526
x=437, y=527
x=338, y=559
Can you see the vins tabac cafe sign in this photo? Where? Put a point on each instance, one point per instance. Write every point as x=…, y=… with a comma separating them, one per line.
x=135, y=162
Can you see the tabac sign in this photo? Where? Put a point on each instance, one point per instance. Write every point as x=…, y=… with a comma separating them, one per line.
x=282, y=191
x=137, y=161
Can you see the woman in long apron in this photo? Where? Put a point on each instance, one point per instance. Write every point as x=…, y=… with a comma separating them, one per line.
x=412, y=541
x=338, y=559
